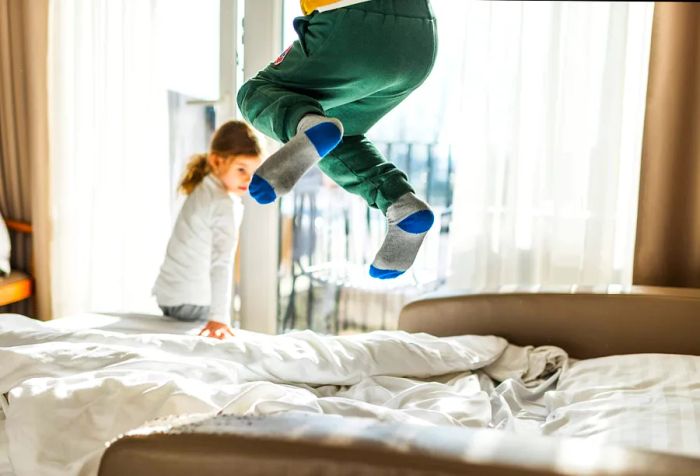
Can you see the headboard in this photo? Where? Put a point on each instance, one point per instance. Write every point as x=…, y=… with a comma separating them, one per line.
x=586, y=323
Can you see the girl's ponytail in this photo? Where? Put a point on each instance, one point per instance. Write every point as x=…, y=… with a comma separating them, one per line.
x=197, y=168
x=232, y=139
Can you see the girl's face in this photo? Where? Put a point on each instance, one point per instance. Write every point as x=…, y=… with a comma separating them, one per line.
x=235, y=173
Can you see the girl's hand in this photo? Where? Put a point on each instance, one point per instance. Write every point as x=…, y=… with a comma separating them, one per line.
x=216, y=330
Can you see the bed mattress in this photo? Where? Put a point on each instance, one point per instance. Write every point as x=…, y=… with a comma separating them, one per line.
x=125, y=323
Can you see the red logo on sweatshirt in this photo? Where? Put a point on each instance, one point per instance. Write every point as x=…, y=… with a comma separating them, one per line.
x=281, y=57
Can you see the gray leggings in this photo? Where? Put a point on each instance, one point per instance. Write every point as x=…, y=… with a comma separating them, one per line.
x=186, y=312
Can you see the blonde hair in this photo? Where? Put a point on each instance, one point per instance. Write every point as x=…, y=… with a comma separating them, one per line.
x=232, y=139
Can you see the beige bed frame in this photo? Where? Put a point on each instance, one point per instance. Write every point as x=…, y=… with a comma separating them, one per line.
x=586, y=323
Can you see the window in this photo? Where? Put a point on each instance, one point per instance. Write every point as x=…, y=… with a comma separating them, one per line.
x=135, y=90
x=525, y=139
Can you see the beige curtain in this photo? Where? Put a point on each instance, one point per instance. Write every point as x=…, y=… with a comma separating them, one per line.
x=668, y=229
x=24, y=156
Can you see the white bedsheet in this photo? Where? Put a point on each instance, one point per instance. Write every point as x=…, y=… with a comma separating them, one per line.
x=72, y=391
x=5, y=467
x=128, y=323
x=649, y=401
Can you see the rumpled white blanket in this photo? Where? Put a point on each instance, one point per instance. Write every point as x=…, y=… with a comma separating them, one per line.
x=71, y=392
x=525, y=374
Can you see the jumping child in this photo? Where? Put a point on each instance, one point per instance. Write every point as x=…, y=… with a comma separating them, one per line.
x=354, y=61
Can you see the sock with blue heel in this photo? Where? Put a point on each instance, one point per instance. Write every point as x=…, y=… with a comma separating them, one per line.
x=408, y=221
x=316, y=137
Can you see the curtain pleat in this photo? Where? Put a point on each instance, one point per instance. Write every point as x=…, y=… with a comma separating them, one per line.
x=667, y=251
x=24, y=161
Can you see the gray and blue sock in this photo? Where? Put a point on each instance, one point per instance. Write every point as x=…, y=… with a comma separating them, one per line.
x=316, y=137
x=408, y=221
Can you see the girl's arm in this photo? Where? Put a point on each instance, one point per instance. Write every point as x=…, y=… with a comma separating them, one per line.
x=224, y=237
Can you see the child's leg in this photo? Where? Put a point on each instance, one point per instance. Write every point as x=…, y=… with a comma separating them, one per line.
x=358, y=167
x=278, y=112
x=285, y=101
x=400, y=53
x=354, y=64
x=186, y=312
x=379, y=48
x=317, y=135
x=274, y=108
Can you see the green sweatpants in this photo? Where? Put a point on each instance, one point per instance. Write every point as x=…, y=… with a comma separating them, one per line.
x=355, y=64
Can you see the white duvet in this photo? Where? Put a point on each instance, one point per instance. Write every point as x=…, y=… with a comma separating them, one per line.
x=70, y=392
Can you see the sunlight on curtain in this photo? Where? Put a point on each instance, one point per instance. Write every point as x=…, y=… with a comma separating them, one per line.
x=189, y=34
x=109, y=140
x=546, y=121
x=538, y=107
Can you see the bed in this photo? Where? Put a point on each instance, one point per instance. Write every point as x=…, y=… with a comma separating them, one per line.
x=120, y=323
x=293, y=434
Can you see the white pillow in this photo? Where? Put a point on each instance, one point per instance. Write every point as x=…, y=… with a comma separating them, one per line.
x=649, y=401
x=4, y=249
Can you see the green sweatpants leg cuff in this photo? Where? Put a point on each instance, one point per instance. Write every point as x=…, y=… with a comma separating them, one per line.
x=258, y=97
x=389, y=192
x=295, y=115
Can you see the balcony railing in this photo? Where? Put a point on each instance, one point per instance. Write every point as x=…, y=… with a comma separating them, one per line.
x=328, y=238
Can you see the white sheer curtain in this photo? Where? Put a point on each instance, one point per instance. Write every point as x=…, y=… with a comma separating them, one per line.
x=110, y=164
x=547, y=128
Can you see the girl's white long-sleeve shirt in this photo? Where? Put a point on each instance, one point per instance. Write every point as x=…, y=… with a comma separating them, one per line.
x=4, y=249
x=198, y=266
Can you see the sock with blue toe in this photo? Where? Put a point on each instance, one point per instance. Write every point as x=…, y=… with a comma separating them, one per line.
x=316, y=137
x=408, y=221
